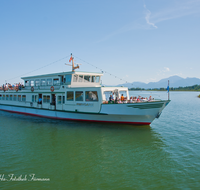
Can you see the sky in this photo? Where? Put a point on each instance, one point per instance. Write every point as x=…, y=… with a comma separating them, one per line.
x=129, y=41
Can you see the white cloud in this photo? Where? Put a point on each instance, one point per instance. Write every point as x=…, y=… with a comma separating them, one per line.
x=147, y=17
x=162, y=72
x=166, y=69
x=178, y=74
x=151, y=80
x=179, y=9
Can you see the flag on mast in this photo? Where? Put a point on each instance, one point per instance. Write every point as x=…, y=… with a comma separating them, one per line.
x=70, y=59
x=168, y=89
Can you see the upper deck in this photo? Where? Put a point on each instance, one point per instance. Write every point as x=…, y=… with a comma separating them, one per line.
x=69, y=79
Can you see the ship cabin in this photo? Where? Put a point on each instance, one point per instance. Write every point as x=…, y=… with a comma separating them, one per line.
x=67, y=91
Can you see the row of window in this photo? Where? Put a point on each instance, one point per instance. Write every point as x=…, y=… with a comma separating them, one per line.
x=86, y=78
x=47, y=99
x=13, y=97
x=66, y=79
x=70, y=96
x=89, y=96
x=42, y=82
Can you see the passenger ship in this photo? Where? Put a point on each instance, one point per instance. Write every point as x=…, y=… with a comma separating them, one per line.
x=77, y=96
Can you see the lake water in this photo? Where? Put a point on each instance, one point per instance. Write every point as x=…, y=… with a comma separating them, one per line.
x=74, y=155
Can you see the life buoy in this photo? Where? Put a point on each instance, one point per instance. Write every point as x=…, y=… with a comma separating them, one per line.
x=32, y=89
x=52, y=88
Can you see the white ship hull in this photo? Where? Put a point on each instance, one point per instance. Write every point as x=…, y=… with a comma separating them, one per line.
x=134, y=113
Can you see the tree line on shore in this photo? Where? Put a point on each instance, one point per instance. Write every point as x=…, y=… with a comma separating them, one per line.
x=187, y=88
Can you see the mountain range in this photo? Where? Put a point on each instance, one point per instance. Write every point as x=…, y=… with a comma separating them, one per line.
x=174, y=81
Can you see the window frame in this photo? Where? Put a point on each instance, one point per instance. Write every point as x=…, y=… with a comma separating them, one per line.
x=88, y=99
x=85, y=78
x=70, y=100
x=78, y=96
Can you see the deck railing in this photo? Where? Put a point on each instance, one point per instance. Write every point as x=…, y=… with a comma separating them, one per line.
x=128, y=101
x=12, y=89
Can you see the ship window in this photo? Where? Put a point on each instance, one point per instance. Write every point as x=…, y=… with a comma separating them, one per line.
x=43, y=82
x=37, y=82
x=59, y=99
x=80, y=78
x=91, y=96
x=27, y=83
x=32, y=98
x=62, y=79
x=56, y=81
x=70, y=96
x=23, y=98
x=7, y=97
x=79, y=96
x=63, y=99
x=11, y=97
x=86, y=78
x=3, y=98
x=68, y=78
x=49, y=82
x=0, y=96
x=36, y=98
x=32, y=82
x=97, y=79
x=19, y=97
x=48, y=99
x=44, y=99
x=15, y=98
x=123, y=92
x=107, y=94
x=75, y=78
x=93, y=79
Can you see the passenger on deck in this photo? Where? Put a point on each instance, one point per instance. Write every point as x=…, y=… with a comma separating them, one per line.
x=122, y=98
x=116, y=100
x=40, y=100
x=113, y=96
x=149, y=98
x=20, y=87
x=110, y=98
x=16, y=87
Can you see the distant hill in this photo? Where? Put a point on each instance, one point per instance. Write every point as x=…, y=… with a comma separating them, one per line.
x=174, y=81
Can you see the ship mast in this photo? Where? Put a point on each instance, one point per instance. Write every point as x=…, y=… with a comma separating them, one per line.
x=73, y=67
